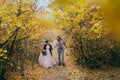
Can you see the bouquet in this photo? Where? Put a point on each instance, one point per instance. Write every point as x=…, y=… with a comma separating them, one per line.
x=44, y=52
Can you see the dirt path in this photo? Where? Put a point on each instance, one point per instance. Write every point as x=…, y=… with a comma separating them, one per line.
x=68, y=72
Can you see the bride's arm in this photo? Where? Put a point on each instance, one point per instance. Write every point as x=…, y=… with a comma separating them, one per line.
x=55, y=44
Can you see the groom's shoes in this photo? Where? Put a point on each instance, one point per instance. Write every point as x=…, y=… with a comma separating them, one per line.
x=63, y=64
x=59, y=64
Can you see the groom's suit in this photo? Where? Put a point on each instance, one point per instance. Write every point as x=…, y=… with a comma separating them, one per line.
x=60, y=50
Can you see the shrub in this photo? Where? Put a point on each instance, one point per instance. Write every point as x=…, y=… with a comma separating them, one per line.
x=115, y=55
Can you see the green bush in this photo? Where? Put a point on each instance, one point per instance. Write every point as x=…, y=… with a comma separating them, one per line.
x=3, y=62
x=94, y=55
x=95, y=52
x=115, y=55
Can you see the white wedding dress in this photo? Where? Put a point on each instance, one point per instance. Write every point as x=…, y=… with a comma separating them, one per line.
x=47, y=60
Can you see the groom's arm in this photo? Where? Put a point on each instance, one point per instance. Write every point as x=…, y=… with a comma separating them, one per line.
x=55, y=45
x=64, y=44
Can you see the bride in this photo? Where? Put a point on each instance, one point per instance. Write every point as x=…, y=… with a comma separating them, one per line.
x=45, y=59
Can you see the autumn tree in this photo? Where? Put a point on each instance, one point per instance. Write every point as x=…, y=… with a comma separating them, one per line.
x=90, y=40
x=22, y=28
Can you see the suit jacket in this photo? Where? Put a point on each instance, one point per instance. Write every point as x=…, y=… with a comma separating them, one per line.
x=63, y=44
x=49, y=49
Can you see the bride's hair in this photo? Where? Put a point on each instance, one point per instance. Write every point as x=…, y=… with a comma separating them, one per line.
x=46, y=41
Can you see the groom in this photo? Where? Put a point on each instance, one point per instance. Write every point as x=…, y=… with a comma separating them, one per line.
x=60, y=44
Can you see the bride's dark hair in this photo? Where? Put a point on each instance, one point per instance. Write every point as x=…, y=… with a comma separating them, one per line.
x=46, y=41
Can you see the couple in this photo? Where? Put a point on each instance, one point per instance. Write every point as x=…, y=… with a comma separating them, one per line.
x=46, y=59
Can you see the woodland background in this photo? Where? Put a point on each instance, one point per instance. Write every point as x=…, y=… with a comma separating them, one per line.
x=89, y=27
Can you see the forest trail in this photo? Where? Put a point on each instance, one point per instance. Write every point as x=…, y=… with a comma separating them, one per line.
x=68, y=72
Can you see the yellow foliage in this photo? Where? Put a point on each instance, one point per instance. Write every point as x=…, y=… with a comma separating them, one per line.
x=44, y=20
x=3, y=1
x=67, y=3
x=81, y=3
x=3, y=54
x=64, y=3
x=112, y=16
